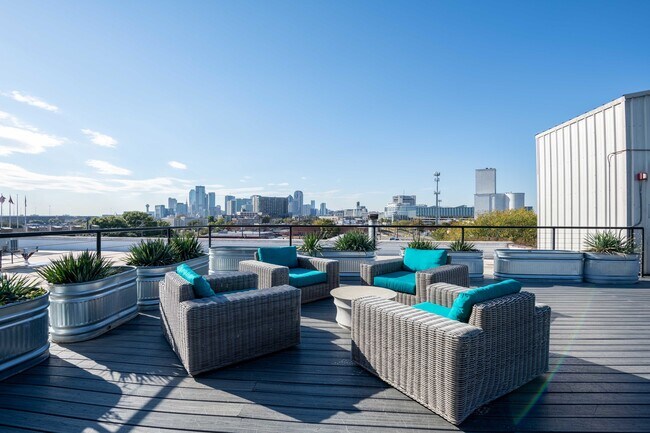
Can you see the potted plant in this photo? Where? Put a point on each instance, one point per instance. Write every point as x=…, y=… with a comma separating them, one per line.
x=88, y=296
x=23, y=324
x=466, y=253
x=153, y=258
x=538, y=265
x=610, y=259
x=351, y=249
x=419, y=244
x=311, y=245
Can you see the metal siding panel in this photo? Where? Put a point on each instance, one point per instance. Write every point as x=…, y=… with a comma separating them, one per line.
x=583, y=197
x=600, y=176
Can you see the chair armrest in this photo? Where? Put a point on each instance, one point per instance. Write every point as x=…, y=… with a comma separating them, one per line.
x=452, y=274
x=221, y=283
x=268, y=275
x=505, y=313
x=370, y=271
x=331, y=267
x=444, y=293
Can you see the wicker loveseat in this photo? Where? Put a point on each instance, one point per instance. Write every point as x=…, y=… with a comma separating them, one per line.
x=271, y=275
x=449, y=366
x=232, y=326
x=447, y=273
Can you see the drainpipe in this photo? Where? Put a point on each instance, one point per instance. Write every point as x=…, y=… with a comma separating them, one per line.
x=372, y=222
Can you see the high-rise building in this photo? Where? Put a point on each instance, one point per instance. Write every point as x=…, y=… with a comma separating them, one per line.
x=212, y=201
x=171, y=205
x=486, y=181
x=181, y=209
x=290, y=204
x=160, y=211
x=192, y=207
x=201, y=205
x=225, y=203
x=297, y=203
x=275, y=207
x=487, y=199
x=402, y=207
x=323, y=209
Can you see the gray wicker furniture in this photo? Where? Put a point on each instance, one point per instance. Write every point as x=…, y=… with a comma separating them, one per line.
x=232, y=326
x=448, y=366
x=270, y=275
x=453, y=274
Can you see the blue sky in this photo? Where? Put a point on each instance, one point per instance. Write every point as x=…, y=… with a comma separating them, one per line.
x=344, y=100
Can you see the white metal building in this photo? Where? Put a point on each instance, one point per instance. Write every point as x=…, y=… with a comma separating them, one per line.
x=587, y=167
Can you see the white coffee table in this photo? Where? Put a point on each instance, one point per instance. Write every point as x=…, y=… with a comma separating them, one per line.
x=343, y=297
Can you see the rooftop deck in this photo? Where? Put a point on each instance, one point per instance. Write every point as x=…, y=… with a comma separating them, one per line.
x=129, y=380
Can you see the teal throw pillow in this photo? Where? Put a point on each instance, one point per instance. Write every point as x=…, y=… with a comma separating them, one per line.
x=420, y=260
x=462, y=306
x=281, y=256
x=200, y=285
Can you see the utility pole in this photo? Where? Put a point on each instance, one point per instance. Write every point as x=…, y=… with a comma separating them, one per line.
x=436, y=177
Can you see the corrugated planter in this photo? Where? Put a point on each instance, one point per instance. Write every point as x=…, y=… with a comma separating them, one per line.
x=611, y=268
x=538, y=265
x=473, y=260
x=83, y=311
x=349, y=261
x=228, y=258
x=23, y=335
x=149, y=278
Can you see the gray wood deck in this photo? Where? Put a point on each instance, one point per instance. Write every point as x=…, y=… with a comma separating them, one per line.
x=130, y=381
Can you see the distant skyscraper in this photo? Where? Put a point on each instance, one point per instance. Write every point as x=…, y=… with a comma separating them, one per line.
x=192, y=207
x=160, y=211
x=486, y=181
x=212, y=201
x=181, y=209
x=313, y=204
x=297, y=203
x=225, y=203
x=487, y=199
x=171, y=205
x=276, y=207
x=201, y=205
x=290, y=204
x=323, y=209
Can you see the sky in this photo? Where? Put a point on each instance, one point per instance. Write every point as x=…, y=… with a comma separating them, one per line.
x=106, y=106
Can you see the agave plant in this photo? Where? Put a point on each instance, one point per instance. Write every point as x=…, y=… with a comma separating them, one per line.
x=186, y=247
x=461, y=245
x=18, y=288
x=152, y=252
x=69, y=269
x=420, y=244
x=354, y=241
x=311, y=244
x=609, y=243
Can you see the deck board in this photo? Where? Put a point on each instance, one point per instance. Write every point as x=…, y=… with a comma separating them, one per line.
x=130, y=380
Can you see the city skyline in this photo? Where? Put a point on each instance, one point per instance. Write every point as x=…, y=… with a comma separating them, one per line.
x=248, y=99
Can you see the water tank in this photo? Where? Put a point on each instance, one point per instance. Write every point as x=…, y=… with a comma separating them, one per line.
x=515, y=200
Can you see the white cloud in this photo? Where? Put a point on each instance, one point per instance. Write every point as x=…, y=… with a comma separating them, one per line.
x=33, y=101
x=19, y=137
x=279, y=184
x=104, y=167
x=245, y=178
x=304, y=178
x=178, y=165
x=100, y=139
x=18, y=178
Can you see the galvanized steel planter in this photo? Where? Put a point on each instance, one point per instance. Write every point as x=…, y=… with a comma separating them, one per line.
x=149, y=278
x=473, y=260
x=83, y=311
x=538, y=265
x=228, y=258
x=611, y=268
x=23, y=335
x=349, y=261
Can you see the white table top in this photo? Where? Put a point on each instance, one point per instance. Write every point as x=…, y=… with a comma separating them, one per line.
x=349, y=293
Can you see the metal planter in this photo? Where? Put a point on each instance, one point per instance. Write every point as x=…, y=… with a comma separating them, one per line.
x=538, y=265
x=349, y=261
x=611, y=268
x=83, y=311
x=228, y=258
x=23, y=335
x=473, y=260
x=149, y=278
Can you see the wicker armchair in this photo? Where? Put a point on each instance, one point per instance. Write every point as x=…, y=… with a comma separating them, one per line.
x=448, y=366
x=453, y=274
x=232, y=326
x=270, y=275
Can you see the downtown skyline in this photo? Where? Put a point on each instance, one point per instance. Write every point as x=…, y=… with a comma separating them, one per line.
x=264, y=99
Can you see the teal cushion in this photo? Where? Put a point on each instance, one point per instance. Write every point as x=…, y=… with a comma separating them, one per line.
x=420, y=260
x=200, y=285
x=299, y=277
x=430, y=307
x=282, y=256
x=461, y=309
x=401, y=281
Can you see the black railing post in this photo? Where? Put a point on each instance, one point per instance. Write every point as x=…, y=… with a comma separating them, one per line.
x=209, y=236
x=98, y=244
x=290, y=235
x=169, y=234
x=462, y=233
x=553, y=238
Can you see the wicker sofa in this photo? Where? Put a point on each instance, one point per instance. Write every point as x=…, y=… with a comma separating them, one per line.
x=232, y=326
x=453, y=274
x=270, y=275
x=448, y=366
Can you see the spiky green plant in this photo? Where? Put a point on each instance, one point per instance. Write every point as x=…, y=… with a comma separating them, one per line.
x=152, y=252
x=461, y=245
x=419, y=244
x=354, y=241
x=69, y=269
x=608, y=243
x=186, y=247
x=18, y=288
x=311, y=244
